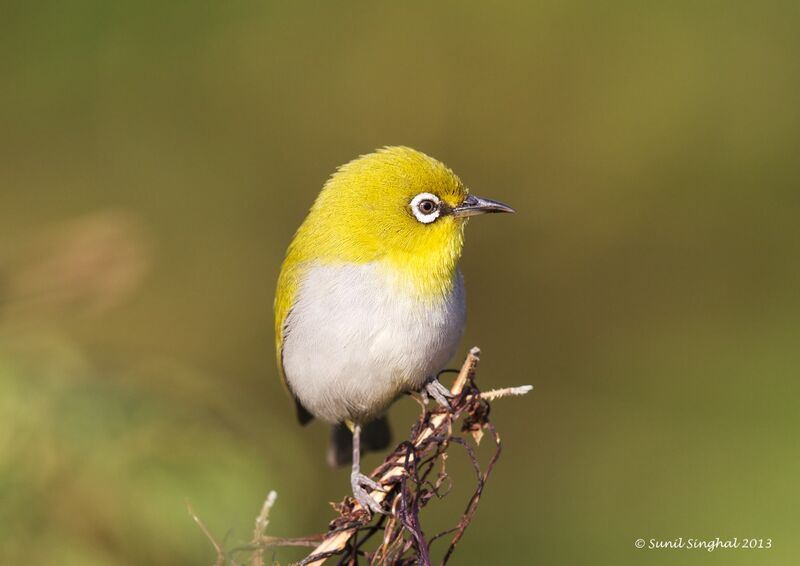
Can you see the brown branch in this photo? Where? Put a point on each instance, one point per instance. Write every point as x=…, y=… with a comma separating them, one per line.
x=413, y=474
x=392, y=469
x=406, y=471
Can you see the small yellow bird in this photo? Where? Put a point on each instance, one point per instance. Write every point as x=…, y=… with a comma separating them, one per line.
x=370, y=302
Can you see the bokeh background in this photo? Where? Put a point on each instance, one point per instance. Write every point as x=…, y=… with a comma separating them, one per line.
x=155, y=159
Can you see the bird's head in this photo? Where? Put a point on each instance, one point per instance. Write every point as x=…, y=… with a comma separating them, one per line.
x=398, y=205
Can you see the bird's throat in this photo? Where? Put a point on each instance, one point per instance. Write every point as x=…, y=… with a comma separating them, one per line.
x=427, y=276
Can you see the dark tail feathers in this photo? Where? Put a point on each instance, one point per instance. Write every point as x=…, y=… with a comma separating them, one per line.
x=375, y=435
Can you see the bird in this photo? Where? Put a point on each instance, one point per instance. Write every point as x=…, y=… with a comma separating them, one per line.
x=370, y=300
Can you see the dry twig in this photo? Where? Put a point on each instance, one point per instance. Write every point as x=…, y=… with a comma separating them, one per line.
x=404, y=477
x=217, y=547
x=408, y=481
x=261, y=524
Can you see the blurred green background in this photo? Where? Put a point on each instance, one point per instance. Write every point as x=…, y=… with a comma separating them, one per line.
x=155, y=159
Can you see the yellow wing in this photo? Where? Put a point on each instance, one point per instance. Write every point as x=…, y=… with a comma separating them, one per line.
x=285, y=294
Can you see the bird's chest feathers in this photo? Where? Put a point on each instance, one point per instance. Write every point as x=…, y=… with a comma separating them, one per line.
x=360, y=328
x=377, y=306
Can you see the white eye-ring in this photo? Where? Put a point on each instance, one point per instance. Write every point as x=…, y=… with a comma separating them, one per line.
x=425, y=207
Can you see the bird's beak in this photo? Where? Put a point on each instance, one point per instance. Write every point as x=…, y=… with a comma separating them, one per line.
x=474, y=205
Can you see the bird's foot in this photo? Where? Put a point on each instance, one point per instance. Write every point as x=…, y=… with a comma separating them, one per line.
x=359, y=482
x=438, y=391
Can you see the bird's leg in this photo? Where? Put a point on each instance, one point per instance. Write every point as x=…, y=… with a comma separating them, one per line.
x=359, y=481
x=438, y=391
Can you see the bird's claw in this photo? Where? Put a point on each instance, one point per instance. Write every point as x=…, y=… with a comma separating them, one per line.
x=359, y=482
x=438, y=391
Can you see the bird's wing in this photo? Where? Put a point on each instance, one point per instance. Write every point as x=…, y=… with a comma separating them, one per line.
x=285, y=295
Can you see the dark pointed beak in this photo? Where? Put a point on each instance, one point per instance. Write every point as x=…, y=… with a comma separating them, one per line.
x=474, y=205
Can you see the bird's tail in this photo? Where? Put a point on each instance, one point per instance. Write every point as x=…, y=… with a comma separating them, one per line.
x=375, y=435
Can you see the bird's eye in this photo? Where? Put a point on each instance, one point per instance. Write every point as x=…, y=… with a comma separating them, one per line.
x=425, y=207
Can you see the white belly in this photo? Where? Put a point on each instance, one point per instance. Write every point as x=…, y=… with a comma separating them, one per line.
x=353, y=342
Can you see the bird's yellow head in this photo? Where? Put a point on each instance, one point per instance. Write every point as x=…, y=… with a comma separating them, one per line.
x=397, y=206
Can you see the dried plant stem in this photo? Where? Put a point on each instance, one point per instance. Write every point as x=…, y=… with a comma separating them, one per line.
x=413, y=474
x=396, y=468
x=220, y=561
x=261, y=524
